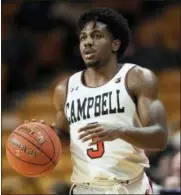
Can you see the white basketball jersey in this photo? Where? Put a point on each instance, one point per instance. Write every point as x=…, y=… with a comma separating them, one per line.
x=111, y=106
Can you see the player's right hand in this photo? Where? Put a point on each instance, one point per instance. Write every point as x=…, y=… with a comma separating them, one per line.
x=41, y=121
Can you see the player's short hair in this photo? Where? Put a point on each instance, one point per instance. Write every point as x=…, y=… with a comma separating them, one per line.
x=116, y=24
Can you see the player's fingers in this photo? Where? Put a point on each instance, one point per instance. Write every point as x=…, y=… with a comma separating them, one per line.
x=88, y=137
x=94, y=141
x=26, y=121
x=93, y=136
x=42, y=121
x=98, y=140
x=90, y=131
x=83, y=135
x=33, y=120
x=89, y=126
x=94, y=130
x=53, y=125
x=101, y=134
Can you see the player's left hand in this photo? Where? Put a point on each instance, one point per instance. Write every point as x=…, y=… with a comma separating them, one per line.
x=96, y=133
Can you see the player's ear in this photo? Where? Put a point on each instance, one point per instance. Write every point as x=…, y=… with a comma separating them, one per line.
x=116, y=45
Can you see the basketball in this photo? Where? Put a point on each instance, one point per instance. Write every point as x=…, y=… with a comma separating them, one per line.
x=33, y=149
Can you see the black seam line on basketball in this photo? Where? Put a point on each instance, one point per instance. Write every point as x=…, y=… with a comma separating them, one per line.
x=35, y=146
x=41, y=171
x=51, y=142
x=52, y=145
x=40, y=128
x=47, y=168
x=36, y=140
x=25, y=160
x=50, y=159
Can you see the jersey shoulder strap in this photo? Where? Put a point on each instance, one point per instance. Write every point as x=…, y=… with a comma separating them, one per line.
x=125, y=69
x=74, y=81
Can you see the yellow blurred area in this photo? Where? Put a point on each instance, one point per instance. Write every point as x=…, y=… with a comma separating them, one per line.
x=40, y=106
x=169, y=90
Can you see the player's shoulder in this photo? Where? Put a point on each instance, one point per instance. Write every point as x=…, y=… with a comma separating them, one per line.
x=62, y=86
x=60, y=94
x=142, y=74
x=141, y=80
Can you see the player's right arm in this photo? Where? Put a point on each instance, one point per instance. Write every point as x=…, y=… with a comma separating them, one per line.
x=61, y=125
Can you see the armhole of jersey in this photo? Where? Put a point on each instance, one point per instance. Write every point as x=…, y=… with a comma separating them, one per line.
x=72, y=77
x=126, y=86
x=134, y=98
x=67, y=88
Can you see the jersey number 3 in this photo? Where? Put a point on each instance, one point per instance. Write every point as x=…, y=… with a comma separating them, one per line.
x=96, y=153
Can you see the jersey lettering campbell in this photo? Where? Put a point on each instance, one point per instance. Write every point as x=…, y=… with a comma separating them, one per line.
x=99, y=105
x=111, y=106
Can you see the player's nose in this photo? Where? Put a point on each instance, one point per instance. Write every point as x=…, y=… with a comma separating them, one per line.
x=88, y=42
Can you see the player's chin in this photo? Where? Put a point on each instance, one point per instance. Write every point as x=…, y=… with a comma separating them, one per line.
x=92, y=63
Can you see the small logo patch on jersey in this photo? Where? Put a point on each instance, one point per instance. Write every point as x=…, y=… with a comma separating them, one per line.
x=74, y=89
x=118, y=80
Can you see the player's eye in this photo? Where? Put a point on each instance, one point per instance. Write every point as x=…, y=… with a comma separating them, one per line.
x=82, y=38
x=97, y=36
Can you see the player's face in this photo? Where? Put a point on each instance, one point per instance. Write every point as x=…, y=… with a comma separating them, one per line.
x=95, y=44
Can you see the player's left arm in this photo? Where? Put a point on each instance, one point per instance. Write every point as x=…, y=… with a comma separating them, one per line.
x=142, y=83
x=153, y=133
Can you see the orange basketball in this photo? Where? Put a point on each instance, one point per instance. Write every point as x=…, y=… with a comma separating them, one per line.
x=33, y=149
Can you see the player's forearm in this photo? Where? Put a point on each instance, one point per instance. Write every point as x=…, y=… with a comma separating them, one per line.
x=61, y=134
x=147, y=138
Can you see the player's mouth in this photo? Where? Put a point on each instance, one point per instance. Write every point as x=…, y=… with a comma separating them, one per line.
x=89, y=53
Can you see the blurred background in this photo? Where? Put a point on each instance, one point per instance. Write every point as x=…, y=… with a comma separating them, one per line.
x=40, y=48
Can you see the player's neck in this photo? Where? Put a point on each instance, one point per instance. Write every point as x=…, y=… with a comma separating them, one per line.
x=101, y=75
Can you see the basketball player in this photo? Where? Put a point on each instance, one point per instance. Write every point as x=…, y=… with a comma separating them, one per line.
x=111, y=110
